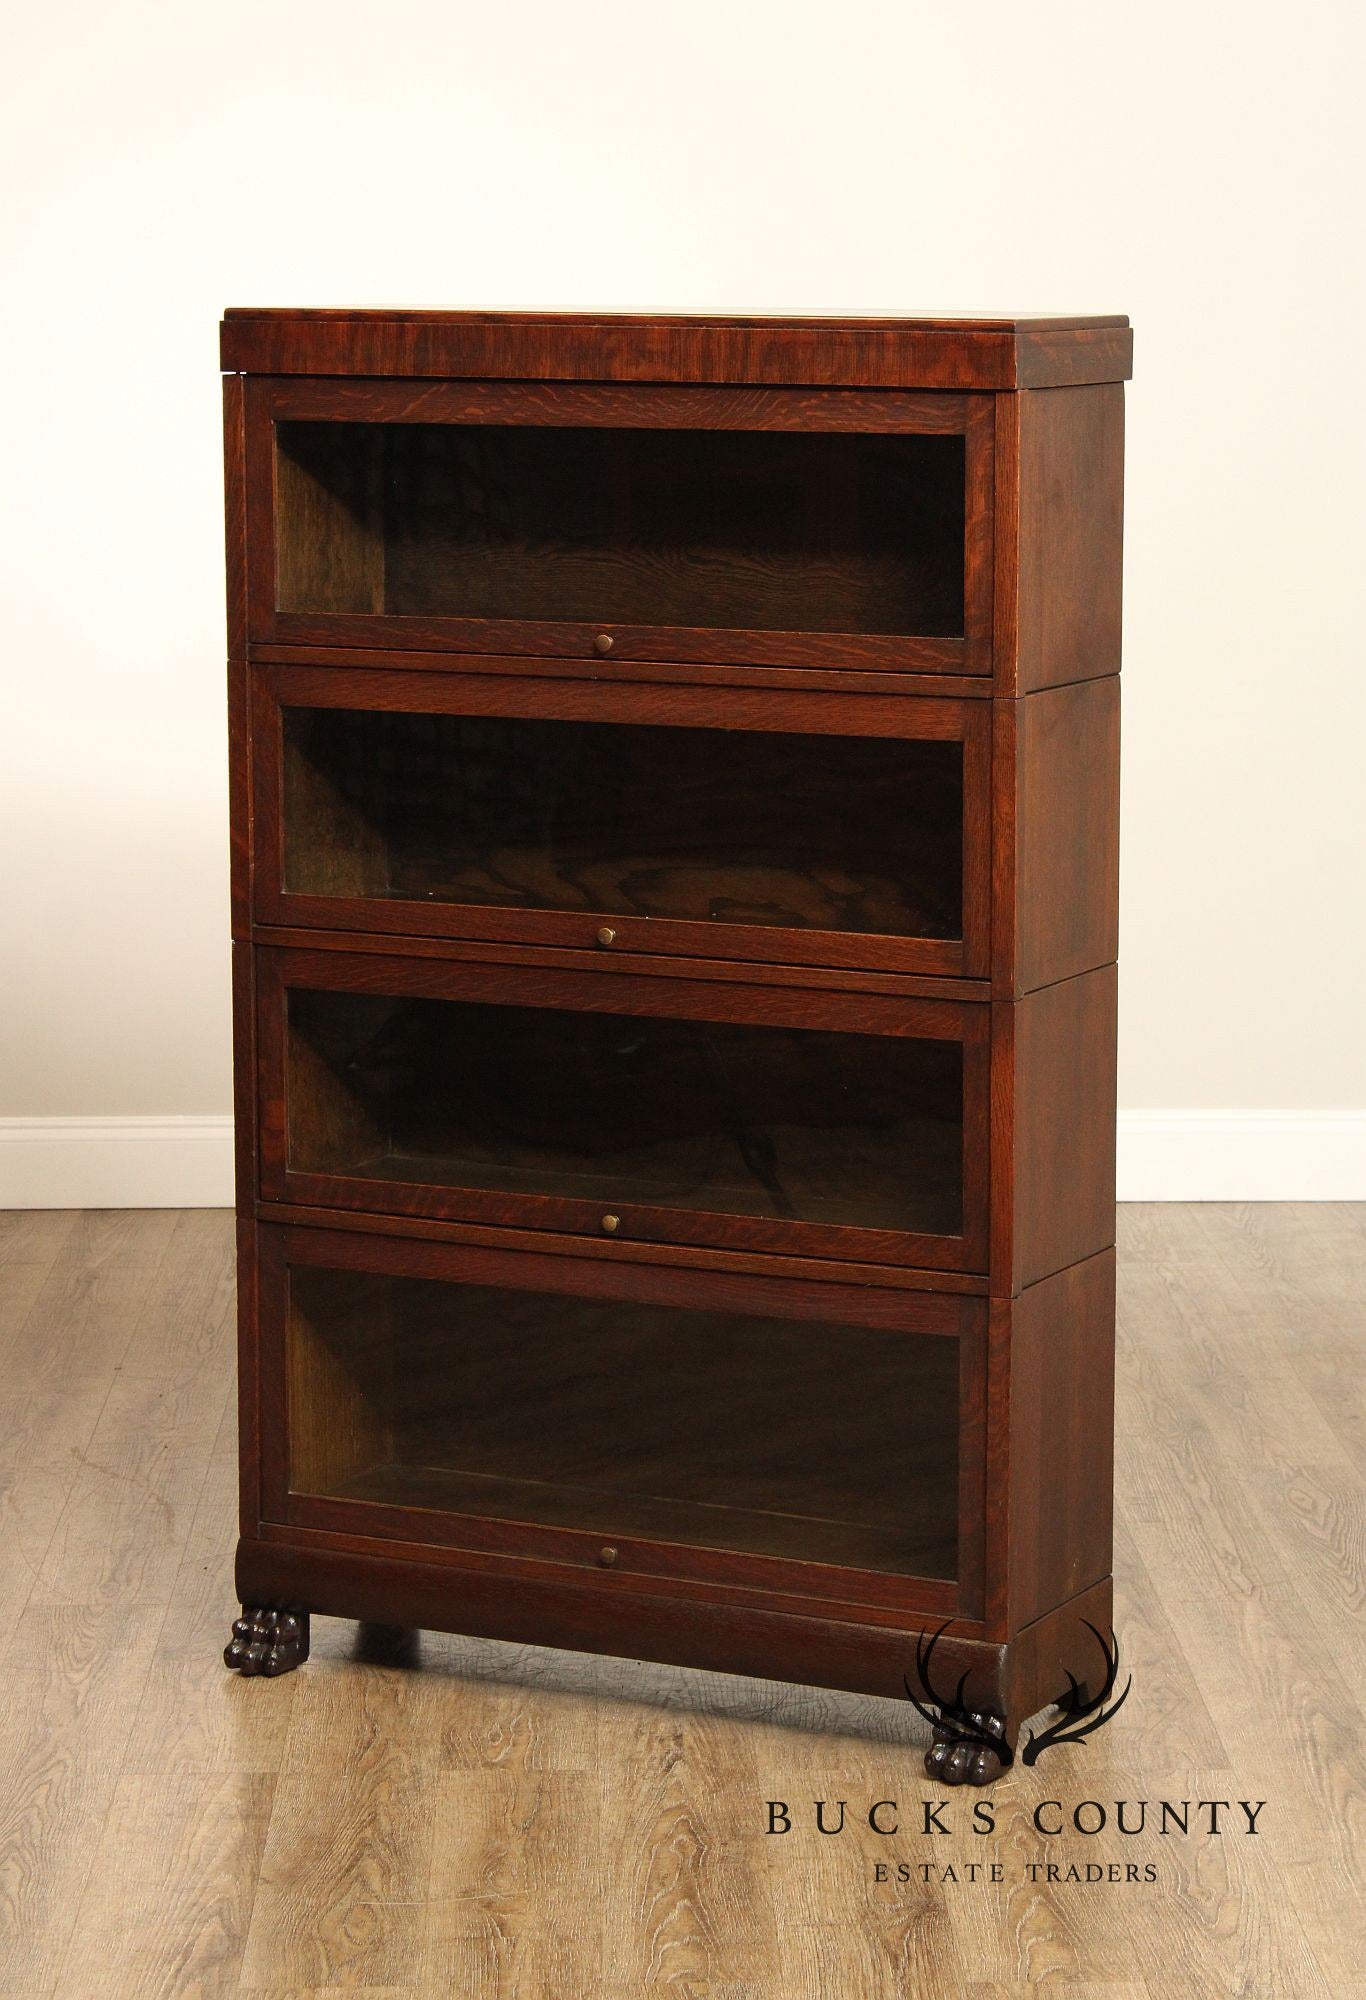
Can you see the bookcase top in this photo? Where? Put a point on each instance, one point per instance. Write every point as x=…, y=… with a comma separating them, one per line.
x=920, y=351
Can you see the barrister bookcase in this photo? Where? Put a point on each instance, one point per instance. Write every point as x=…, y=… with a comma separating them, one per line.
x=674, y=830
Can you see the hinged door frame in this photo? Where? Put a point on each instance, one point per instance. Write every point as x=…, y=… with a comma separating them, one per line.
x=617, y=991
x=916, y=719
x=647, y=1565
x=271, y=398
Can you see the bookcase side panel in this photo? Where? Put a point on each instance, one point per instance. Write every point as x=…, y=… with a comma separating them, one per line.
x=1058, y=1175
x=1065, y=826
x=1071, y=518
x=1061, y=1474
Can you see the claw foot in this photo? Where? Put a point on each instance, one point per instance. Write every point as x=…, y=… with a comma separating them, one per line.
x=957, y=1759
x=267, y=1642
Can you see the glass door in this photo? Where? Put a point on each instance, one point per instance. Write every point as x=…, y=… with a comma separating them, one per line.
x=641, y=1421
x=802, y=828
x=647, y=1109
x=790, y=527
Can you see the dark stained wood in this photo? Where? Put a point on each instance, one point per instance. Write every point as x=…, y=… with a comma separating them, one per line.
x=1005, y=529
x=1060, y=1642
x=327, y=1119
x=338, y=1403
x=585, y=699
x=653, y=1541
x=235, y=513
x=1050, y=358
x=1071, y=470
x=333, y=558
x=239, y=686
x=973, y=1379
x=618, y=989
x=621, y=1250
x=640, y=943
x=374, y=1523
x=922, y=353
x=321, y=1153
x=488, y=1595
x=1005, y=747
x=589, y=1275
x=397, y=1187
x=978, y=859
x=485, y=951
x=1061, y=1463
x=240, y=806
x=244, y=1078
x=1056, y=830
x=724, y=647
x=761, y=1583
x=267, y=1642
x=248, y=1369
x=1053, y=1129
x=998, y=1580
x=392, y=1444
x=347, y=584
x=601, y=671
x=590, y=1612
x=634, y=407
x=350, y=865
x=979, y=552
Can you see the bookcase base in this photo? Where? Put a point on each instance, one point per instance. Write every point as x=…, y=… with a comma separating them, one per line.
x=1010, y=1680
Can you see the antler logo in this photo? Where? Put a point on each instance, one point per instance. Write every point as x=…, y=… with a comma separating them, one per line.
x=1087, y=1716
x=970, y=1745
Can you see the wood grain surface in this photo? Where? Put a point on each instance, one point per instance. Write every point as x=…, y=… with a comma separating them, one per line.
x=348, y=550
x=933, y=351
x=888, y=807
x=959, y=1245
x=513, y=1821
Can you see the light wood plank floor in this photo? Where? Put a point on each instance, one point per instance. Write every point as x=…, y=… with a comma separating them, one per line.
x=509, y=1822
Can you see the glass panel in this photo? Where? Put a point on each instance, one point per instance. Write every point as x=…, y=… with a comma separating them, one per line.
x=836, y=833
x=793, y=1123
x=784, y=1437
x=774, y=530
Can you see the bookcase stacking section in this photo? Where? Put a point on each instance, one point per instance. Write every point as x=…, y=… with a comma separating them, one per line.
x=738, y=824
x=659, y=523
x=605, y=1425
x=674, y=817
x=689, y=1111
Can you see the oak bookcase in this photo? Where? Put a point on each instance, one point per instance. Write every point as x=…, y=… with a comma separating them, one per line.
x=674, y=829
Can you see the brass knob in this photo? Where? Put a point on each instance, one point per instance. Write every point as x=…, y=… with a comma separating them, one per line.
x=611, y=1223
x=603, y=643
x=607, y=935
x=607, y=1557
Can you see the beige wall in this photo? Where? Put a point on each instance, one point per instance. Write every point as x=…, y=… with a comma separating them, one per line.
x=1189, y=165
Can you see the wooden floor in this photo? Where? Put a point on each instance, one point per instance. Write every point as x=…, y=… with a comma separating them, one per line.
x=515, y=1822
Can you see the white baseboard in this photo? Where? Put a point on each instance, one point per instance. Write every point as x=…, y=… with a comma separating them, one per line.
x=1242, y=1156
x=116, y=1162
x=1163, y=1156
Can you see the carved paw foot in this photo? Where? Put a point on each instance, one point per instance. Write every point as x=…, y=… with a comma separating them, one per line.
x=267, y=1642
x=956, y=1759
